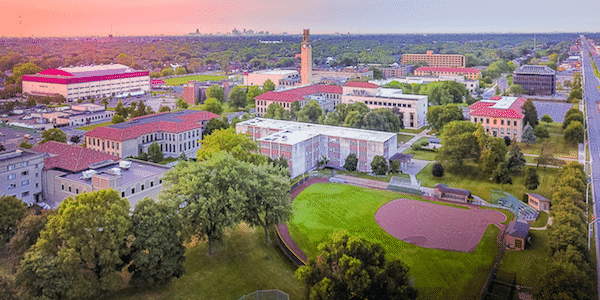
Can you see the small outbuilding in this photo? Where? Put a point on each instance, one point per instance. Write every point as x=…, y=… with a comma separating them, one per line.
x=516, y=235
x=403, y=159
x=539, y=202
x=444, y=192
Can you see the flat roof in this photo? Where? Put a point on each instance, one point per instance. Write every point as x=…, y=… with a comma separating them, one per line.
x=343, y=132
x=275, y=72
x=137, y=171
x=288, y=137
x=535, y=69
x=397, y=94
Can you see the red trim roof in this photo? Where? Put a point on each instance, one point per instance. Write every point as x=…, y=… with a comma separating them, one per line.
x=447, y=69
x=69, y=80
x=485, y=109
x=56, y=72
x=70, y=157
x=361, y=85
x=298, y=94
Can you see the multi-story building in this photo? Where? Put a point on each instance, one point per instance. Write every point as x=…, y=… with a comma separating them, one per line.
x=469, y=73
x=70, y=170
x=500, y=116
x=470, y=84
x=21, y=175
x=87, y=82
x=435, y=60
x=80, y=114
x=303, y=94
x=397, y=71
x=412, y=109
x=304, y=144
x=342, y=75
x=538, y=80
x=175, y=132
x=286, y=78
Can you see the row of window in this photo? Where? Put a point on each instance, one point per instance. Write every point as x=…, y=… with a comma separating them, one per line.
x=14, y=175
x=23, y=183
x=392, y=104
x=142, y=187
x=20, y=165
x=495, y=121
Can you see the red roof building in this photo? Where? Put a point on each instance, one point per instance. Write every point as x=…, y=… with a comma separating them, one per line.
x=70, y=158
x=176, y=133
x=359, y=84
x=301, y=94
x=469, y=73
x=500, y=116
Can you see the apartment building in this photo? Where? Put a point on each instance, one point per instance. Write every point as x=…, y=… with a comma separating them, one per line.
x=469, y=73
x=175, y=132
x=303, y=94
x=397, y=71
x=435, y=60
x=500, y=116
x=87, y=82
x=412, y=109
x=304, y=144
x=21, y=175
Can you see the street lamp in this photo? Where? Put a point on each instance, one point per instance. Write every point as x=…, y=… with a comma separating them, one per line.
x=590, y=230
x=587, y=194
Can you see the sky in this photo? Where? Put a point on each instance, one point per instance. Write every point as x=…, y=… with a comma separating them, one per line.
x=24, y=18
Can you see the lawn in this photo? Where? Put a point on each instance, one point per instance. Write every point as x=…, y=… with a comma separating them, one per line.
x=529, y=264
x=90, y=127
x=553, y=127
x=408, y=130
x=186, y=79
x=471, y=178
x=421, y=154
x=167, y=160
x=358, y=174
x=242, y=265
x=560, y=148
x=323, y=208
x=541, y=220
x=403, y=138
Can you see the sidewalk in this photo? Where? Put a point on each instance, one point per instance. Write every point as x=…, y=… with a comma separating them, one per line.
x=408, y=144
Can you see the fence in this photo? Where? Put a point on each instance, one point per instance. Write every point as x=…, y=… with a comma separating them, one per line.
x=490, y=277
x=404, y=185
x=295, y=258
x=266, y=295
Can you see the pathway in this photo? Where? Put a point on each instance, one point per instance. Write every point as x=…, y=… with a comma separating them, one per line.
x=407, y=144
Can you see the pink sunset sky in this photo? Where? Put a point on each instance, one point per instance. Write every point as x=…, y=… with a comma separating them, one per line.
x=21, y=18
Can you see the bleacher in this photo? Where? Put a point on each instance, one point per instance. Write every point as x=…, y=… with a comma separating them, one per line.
x=522, y=210
x=404, y=185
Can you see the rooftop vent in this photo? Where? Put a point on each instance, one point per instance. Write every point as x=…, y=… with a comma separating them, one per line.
x=88, y=174
x=125, y=164
x=116, y=171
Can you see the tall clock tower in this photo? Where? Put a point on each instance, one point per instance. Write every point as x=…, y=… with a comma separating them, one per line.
x=306, y=56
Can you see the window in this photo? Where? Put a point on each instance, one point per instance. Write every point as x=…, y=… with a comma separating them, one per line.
x=515, y=131
x=63, y=187
x=122, y=194
x=502, y=122
x=76, y=191
x=142, y=187
x=475, y=120
x=501, y=130
x=495, y=121
x=11, y=176
x=132, y=190
x=515, y=123
x=160, y=181
x=11, y=167
x=151, y=183
x=24, y=173
x=25, y=182
x=12, y=186
x=69, y=189
x=24, y=164
x=487, y=121
x=24, y=194
x=37, y=174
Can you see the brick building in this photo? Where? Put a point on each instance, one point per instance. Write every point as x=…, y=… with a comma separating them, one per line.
x=500, y=116
x=469, y=73
x=435, y=60
x=302, y=94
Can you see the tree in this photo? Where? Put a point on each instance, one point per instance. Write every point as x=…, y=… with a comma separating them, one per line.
x=239, y=145
x=572, y=114
x=438, y=116
x=493, y=153
x=164, y=109
x=213, y=105
x=350, y=267
x=541, y=132
x=574, y=133
x=516, y=160
x=157, y=251
x=75, y=139
x=379, y=165
x=507, y=141
x=53, y=134
x=267, y=200
x=381, y=119
x=167, y=72
x=25, y=144
x=276, y=111
x=181, y=104
x=82, y=249
x=459, y=142
x=253, y=91
x=116, y=119
x=209, y=194
x=217, y=92
x=575, y=94
x=377, y=73
x=564, y=281
x=394, y=167
x=120, y=110
x=214, y=124
x=516, y=89
x=528, y=135
x=547, y=118
x=268, y=85
x=12, y=210
x=532, y=180
x=28, y=231
x=530, y=112
x=20, y=70
x=501, y=175
x=237, y=98
x=126, y=59
x=155, y=155
x=351, y=162
x=437, y=170
x=310, y=112
x=180, y=71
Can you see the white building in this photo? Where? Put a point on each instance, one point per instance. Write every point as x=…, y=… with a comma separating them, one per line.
x=21, y=175
x=87, y=82
x=304, y=144
x=285, y=78
x=80, y=114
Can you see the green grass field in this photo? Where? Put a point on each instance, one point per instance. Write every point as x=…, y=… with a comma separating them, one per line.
x=358, y=174
x=323, y=208
x=186, y=79
x=471, y=178
x=422, y=154
x=403, y=138
x=413, y=130
x=242, y=265
x=90, y=127
x=541, y=220
x=560, y=148
x=529, y=264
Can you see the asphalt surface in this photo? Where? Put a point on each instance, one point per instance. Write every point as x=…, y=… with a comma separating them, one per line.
x=592, y=97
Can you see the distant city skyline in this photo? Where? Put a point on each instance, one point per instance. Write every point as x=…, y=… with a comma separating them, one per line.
x=28, y=18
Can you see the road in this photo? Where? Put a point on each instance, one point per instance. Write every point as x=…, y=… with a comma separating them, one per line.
x=591, y=97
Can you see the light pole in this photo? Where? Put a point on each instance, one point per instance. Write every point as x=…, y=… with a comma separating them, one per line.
x=587, y=195
x=590, y=230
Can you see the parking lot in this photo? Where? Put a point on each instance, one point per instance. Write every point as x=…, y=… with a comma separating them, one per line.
x=11, y=138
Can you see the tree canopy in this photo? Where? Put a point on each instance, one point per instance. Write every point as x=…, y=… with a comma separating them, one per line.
x=237, y=98
x=213, y=105
x=217, y=92
x=459, y=142
x=268, y=86
x=53, y=134
x=239, y=145
x=12, y=210
x=438, y=116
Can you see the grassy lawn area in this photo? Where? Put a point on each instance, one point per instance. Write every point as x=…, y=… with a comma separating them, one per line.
x=532, y=160
x=323, y=208
x=529, y=264
x=185, y=79
x=242, y=265
x=470, y=177
x=90, y=127
x=358, y=174
x=560, y=147
x=403, y=138
x=553, y=127
x=541, y=220
x=226, y=108
x=167, y=160
x=408, y=130
x=421, y=154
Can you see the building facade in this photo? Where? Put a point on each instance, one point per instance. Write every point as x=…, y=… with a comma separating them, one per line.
x=468, y=73
x=516, y=235
x=412, y=109
x=500, y=116
x=397, y=71
x=435, y=60
x=87, y=82
x=539, y=202
x=80, y=114
x=329, y=95
x=21, y=175
x=176, y=133
x=342, y=75
x=286, y=78
x=306, y=73
x=536, y=80
x=304, y=144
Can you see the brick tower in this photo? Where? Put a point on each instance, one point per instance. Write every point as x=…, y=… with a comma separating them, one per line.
x=306, y=56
